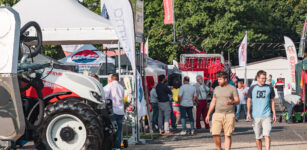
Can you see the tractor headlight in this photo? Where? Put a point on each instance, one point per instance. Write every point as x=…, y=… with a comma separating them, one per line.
x=96, y=96
x=102, y=105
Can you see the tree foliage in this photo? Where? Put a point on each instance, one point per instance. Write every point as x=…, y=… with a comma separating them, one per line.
x=209, y=24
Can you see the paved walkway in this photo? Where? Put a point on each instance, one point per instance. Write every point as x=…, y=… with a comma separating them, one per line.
x=284, y=137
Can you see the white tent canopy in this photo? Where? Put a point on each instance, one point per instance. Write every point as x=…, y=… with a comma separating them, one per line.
x=66, y=22
x=154, y=71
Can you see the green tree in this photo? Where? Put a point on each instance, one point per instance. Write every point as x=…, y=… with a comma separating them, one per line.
x=8, y=2
x=210, y=24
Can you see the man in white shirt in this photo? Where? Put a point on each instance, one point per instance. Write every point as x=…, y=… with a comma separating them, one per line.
x=202, y=91
x=115, y=91
x=187, y=96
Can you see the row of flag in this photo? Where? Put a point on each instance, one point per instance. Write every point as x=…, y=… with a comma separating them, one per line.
x=290, y=51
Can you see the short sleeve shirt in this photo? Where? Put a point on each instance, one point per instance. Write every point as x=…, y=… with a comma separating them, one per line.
x=261, y=97
x=175, y=94
x=187, y=92
x=222, y=94
x=153, y=96
x=202, y=91
x=242, y=97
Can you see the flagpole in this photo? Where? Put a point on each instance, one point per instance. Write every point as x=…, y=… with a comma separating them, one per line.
x=303, y=52
x=245, y=78
x=174, y=24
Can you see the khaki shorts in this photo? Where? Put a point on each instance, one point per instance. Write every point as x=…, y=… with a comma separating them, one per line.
x=262, y=127
x=223, y=121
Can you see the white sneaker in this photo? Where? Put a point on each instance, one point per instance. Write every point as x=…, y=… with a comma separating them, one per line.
x=183, y=132
x=193, y=132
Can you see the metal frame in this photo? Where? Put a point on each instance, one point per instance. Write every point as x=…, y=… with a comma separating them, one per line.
x=183, y=56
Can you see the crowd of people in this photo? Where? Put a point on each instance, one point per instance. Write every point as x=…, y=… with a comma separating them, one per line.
x=227, y=100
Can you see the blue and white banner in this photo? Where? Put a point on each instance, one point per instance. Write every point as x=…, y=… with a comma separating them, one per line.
x=142, y=109
x=122, y=20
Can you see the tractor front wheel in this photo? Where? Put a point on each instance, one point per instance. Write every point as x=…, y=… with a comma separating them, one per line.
x=71, y=125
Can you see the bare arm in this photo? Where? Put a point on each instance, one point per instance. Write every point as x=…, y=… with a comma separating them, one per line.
x=212, y=106
x=179, y=99
x=195, y=98
x=273, y=109
x=248, y=104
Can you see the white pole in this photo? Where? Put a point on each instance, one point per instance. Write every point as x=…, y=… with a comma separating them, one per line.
x=118, y=57
x=245, y=78
x=174, y=24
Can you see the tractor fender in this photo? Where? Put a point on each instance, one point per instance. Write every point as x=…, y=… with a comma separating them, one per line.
x=53, y=95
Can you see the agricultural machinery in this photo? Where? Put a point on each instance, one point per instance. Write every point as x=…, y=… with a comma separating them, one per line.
x=56, y=109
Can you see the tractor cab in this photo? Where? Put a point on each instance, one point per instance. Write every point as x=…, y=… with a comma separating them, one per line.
x=12, y=120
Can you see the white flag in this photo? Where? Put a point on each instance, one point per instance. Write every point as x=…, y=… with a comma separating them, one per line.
x=243, y=52
x=292, y=59
x=146, y=47
x=121, y=17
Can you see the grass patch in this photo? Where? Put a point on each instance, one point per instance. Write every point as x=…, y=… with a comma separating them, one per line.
x=146, y=136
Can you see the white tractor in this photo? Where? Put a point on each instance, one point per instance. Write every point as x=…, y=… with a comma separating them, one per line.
x=57, y=109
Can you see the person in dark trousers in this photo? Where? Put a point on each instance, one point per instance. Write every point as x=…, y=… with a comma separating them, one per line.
x=172, y=115
x=163, y=93
x=115, y=91
x=242, y=92
x=187, y=96
x=154, y=105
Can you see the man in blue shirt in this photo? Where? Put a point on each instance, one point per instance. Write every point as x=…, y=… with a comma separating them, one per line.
x=261, y=97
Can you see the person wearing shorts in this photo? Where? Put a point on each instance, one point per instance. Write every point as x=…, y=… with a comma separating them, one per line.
x=225, y=97
x=261, y=98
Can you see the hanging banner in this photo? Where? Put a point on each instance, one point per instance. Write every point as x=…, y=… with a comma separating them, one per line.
x=87, y=60
x=139, y=18
x=146, y=47
x=243, y=52
x=302, y=47
x=69, y=49
x=121, y=17
x=292, y=59
x=168, y=11
x=104, y=12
